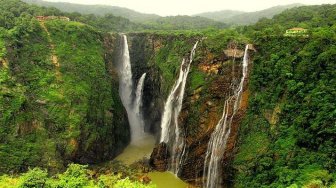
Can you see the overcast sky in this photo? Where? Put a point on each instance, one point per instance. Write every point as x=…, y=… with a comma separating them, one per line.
x=189, y=7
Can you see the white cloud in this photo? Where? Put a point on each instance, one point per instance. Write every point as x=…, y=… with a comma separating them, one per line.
x=188, y=7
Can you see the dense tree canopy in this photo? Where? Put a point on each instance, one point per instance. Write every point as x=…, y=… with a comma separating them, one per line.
x=288, y=138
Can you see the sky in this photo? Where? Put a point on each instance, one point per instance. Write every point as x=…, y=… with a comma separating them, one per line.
x=189, y=7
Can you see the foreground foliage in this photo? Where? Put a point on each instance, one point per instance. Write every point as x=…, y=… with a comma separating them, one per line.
x=76, y=176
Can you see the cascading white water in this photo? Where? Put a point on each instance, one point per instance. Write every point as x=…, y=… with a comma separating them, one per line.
x=126, y=94
x=125, y=71
x=138, y=101
x=219, y=138
x=172, y=110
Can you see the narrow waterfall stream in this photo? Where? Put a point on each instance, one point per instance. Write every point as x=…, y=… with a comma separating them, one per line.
x=126, y=93
x=218, y=141
x=125, y=73
x=169, y=125
x=138, y=101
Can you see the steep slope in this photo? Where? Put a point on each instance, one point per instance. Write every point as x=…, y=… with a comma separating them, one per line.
x=99, y=10
x=56, y=112
x=288, y=136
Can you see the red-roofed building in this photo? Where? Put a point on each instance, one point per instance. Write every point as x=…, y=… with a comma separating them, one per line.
x=296, y=31
x=44, y=18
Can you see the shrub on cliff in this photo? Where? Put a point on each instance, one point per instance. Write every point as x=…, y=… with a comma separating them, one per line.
x=74, y=177
x=34, y=178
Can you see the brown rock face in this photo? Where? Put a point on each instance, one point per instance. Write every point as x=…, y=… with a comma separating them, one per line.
x=159, y=157
x=214, y=77
x=198, y=133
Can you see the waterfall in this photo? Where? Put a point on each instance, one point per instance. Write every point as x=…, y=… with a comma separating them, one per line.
x=125, y=71
x=138, y=100
x=172, y=109
x=218, y=141
x=126, y=92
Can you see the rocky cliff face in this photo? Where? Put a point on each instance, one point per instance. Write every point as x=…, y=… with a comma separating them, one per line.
x=209, y=83
x=203, y=109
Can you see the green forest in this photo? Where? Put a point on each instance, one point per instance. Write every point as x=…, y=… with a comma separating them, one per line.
x=62, y=120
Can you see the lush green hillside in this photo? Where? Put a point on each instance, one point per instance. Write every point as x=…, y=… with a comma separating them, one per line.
x=220, y=15
x=309, y=17
x=11, y=9
x=288, y=136
x=246, y=18
x=99, y=10
x=183, y=23
x=57, y=101
x=119, y=19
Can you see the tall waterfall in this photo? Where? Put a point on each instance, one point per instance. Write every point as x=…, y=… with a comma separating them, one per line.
x=126, y=92
x=126, y=81
x=138, y=100
x=172, y=109
x=219, y=138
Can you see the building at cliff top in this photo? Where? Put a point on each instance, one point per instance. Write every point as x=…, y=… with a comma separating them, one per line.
x=296, y=31
x=44, y=18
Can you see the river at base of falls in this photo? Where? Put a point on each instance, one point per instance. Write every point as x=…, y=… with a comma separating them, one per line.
x=143, y=148
x=166, y=180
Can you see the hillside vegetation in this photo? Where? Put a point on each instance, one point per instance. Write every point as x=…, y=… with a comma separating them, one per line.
x=57, y=101
x=99, y=10
x=220, y=15
x=246, y=18
x=110, y=18
x=288, y=136
x=12, y=9
x=183, y=23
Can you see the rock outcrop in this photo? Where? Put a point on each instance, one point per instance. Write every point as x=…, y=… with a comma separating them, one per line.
x=159, y=157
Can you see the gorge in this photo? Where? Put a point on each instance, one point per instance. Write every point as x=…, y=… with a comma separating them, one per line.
x=245, y=106
x=174, y=153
